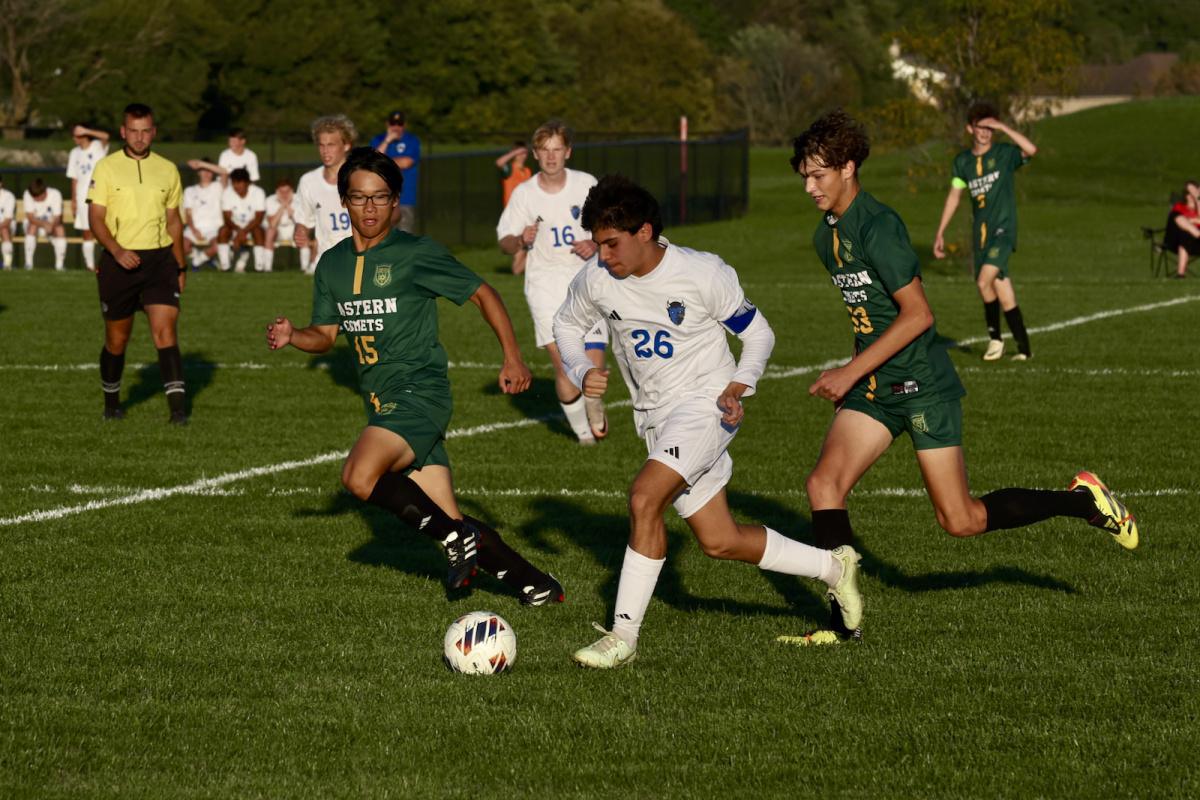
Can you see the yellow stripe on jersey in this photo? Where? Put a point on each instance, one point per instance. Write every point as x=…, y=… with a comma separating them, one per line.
x=836, y=244
x=982, y=235
x=979, y=165
x=358, y=271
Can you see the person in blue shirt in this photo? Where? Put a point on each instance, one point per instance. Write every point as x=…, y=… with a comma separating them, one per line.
x=404, y=148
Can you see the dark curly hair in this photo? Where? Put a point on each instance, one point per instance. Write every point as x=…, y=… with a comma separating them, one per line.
x=620, y=204
x=981, y=110
x=833, y=141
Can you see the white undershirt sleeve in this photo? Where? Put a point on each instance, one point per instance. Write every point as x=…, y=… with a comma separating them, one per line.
x=575, y=317
x=758, y=340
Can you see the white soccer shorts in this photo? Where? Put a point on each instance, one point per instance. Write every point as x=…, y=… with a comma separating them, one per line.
x=694, y=442
x=209, y=234
x=82, y=223
x=545, y=291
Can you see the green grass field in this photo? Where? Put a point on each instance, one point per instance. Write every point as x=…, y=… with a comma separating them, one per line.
x=202, y=612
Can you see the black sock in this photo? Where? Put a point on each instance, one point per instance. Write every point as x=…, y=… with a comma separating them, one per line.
x=400, y=495
x=170, y=365
x=1016, y=324
x=831, y=528
x=991, y=315
x=1015, y=508
x=111, y=367
x=497, y=558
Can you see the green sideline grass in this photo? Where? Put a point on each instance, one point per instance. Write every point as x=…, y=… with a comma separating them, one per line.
x=271, y=638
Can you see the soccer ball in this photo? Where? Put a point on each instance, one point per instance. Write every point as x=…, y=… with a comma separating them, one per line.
x=480, y=643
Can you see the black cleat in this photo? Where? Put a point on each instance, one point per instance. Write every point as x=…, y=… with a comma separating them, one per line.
x=114, y=413
x=462, y=549
x=178, y=418
x=549, y=591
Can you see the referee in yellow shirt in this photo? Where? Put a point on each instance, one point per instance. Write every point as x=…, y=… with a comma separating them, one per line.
x=133, y=208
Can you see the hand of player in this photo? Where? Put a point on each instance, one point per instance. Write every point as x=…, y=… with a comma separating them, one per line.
x=300, y=236
x=584, y=248
x=515, y=377
x=127, y=258
x=529, y=234
x=182, y=279
x=833, y=384
x=78, y=130
x=595, y=382
x=730, y=402
x=279, y=333
x=939, y=247
x=195, y=164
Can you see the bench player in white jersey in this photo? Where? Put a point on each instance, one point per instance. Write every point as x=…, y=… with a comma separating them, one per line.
x=279, y=222
x=244, y=205
x=202, y=206
x=238, y=156
x=542, y=216
x=669, y=310
x=43, y=214
x=91, y=145
x=8, y=212
x=318, y=206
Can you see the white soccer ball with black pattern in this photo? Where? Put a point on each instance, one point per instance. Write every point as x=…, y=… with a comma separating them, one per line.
x=480, y=643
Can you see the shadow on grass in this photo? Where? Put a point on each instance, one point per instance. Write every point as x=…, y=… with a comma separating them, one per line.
x=339, y=364
x=538, y=402
x=198, y=372
x=895, y=577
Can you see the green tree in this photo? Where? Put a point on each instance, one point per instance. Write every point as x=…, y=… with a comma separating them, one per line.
x=1007, y=51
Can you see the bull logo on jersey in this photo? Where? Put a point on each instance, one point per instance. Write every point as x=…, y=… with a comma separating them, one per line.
x=383, y=275
x=675, y=311
x=575, y=212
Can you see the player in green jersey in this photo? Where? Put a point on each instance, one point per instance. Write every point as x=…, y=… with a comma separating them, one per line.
x=899, y=380
x=986, y=170
x=380, y=287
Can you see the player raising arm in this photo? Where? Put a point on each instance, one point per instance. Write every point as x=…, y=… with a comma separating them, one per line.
x=899, y=379
x=670, y=309
x=380, y=287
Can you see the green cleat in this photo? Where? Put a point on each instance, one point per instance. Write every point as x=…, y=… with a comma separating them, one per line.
x=609, y=652
x=820, y=638
x=845, y=593
x=1111, y=514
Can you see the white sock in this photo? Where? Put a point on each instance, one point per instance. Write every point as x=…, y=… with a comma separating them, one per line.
x=197, y=257
x=30, y=249
x=268, y=259
x=6, y=253
x=223, y=257
x=305, y=259
x=796, y=558
x=577, y=418
x=89, y=253
x=59, y=243
x=260, y=258
x=638, y=577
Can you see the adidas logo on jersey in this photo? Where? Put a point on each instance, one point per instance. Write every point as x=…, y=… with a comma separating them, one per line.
x=614, y=315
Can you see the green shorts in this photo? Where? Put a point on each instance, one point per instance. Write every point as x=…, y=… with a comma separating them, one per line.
x=996, y=251
x=930, y=425
x=420, y=419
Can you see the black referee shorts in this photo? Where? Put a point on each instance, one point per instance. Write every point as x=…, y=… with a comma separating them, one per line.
x=153, y=282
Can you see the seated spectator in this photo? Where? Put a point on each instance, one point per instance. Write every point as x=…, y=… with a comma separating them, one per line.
x=512, y=166
x=1183, y=228
x=238, y=156
x=8, y=212
x=280, y=224
x=244, y=206
x=202, y=212
x=43, y=215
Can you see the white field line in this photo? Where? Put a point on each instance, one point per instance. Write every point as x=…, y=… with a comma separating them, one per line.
x=208, y=484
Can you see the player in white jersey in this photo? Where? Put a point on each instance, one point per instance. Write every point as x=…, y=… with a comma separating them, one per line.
x=202, y=204
x=91, y=145
x=279, y=223
x=8, y=212
x=238, y=156
x=318, y=205
x=542, y=216
x=244, y=205
x=669, y=309
x=43, y=214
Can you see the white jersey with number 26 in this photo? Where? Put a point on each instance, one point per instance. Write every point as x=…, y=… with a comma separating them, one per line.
x=318, y=206
x=668, y=330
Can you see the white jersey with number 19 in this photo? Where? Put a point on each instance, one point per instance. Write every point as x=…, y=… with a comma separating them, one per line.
x=668, y=330
x=318, y=206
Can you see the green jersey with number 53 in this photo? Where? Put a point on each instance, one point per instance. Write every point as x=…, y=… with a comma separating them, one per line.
x=869, y=258
x=385, y=301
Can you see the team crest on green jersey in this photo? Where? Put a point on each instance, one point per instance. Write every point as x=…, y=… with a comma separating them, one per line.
x=918, y=422
x=383, y=275
x=847, y=246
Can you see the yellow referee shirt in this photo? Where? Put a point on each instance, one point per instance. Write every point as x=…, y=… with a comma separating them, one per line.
x=136, y=194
